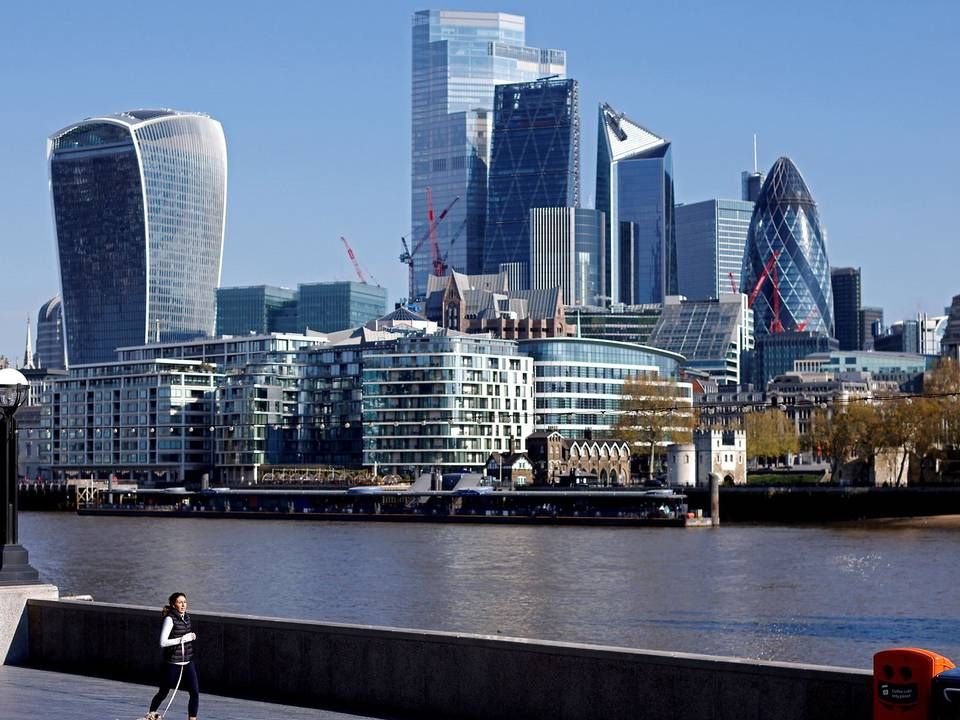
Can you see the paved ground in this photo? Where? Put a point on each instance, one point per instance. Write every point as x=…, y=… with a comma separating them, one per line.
x=26, y=694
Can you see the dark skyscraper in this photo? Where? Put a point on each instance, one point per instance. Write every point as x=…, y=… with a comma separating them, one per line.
x=535, y=163
x=139, y=201
x=787, y=251
x=635, y=191
x=845, y=283
x=871, y=325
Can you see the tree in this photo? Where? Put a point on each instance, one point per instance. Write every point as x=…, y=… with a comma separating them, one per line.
x=942, y=385
x=770, y=434
x=848, y=431
x=914, y=425
x=649, y=415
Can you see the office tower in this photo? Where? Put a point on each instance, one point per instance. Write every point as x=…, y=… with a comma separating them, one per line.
x=845, y=283
x=50, y=348
x=139, y=202
x=786, y=255
x=534, y=163
x=635, y=191
x=332, y=306
x=566, y=251
x=258, y=309
x=750, y=184
x=950, y=344
x=711, y=236
x=458, y=59
x=775, y=353
x=713, y=335
x=902, y=336
x=871, y=325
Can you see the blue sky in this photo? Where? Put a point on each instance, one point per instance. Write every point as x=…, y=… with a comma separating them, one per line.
x=314, y=100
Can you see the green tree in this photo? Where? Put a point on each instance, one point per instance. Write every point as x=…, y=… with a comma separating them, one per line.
x=770, y=434
x=650, y=414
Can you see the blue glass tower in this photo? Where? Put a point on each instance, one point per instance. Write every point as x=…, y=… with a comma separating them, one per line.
x=535, y=163
x=786, y=255
x=139, y=202
x=635, y=191
x=458, y=59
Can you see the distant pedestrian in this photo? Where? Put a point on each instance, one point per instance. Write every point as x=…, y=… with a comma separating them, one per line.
x=179, y=670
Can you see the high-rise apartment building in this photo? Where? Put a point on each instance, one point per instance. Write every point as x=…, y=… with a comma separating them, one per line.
x=567, y=251
x=786, y=255
x=139, y=202
x=845, y=283
x=458, y=59
x=50, y=348
x=711, y=236
x=534, y=163
x=635, y=191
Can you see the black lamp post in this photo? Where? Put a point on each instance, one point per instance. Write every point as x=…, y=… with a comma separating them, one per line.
x=14, y=566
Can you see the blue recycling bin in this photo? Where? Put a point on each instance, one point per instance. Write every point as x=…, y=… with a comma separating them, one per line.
x=945, y=696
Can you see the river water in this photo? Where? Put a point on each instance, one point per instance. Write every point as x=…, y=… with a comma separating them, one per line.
x=827, y=595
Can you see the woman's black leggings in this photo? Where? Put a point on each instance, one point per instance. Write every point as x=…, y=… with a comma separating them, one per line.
x=168, y=681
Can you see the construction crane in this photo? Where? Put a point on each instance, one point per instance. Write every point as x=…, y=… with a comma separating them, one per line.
x=771, y=263
x=806, y=321
x=775, y=325
x=408, y=254
x=733, y=283
x=458, y=233
x=353, y=259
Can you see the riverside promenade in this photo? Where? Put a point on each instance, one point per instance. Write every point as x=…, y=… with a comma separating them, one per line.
x=29, y=693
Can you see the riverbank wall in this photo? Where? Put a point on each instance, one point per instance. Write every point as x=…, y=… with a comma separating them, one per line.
x=428, y=674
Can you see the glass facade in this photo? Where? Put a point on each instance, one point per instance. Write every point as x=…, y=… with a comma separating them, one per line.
x=535, y=163
x=458, y=59
x=328, y=307
x=139, y=204
x=635, y=191
x=259, y=309
x=578, y=381
x=775, y=353
x=711, y=236
x=566, y=251
x=786, y=250
x=50, y=347
x=712, y=335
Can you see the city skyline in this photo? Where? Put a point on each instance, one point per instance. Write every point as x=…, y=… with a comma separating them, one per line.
x=290, y=200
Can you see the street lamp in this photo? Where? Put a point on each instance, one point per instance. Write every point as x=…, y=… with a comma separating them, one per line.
x=14, y=565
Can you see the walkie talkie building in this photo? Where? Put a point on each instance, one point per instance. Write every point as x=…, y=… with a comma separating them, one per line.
x=139, y=205
x=786, y=258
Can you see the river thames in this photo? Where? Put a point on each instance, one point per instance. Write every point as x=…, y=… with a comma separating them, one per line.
x=823, y=594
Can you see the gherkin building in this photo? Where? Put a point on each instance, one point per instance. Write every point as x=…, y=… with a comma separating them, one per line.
x=785, y=271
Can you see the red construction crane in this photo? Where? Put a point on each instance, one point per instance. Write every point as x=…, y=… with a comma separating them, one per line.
x=353, y=259
x=771, y=263
x=434, y=245
x=406, y=257
x=803, y=325
x=775, y=325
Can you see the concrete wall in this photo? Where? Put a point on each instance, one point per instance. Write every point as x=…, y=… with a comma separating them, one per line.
x=422, y=674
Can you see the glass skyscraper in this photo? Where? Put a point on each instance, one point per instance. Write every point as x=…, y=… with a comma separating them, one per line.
x=258, y=309
x=139, y=204
x=566, y=251
x=786, y=248
x=458, y=59
x=535, y=163
x=50, y=336
x=635, y=191
x=711, y=236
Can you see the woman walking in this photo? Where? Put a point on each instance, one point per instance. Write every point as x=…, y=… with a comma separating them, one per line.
x=176, y=639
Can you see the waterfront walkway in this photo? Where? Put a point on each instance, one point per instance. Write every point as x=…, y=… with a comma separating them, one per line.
x=26, y=693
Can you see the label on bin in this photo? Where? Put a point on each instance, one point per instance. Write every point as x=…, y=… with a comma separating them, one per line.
x=899, y=694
